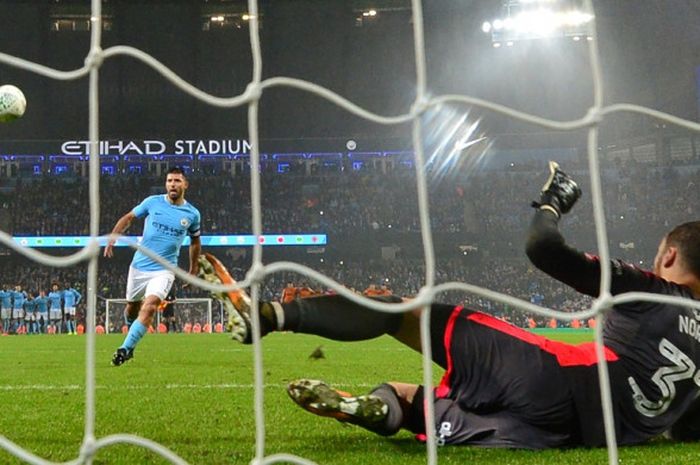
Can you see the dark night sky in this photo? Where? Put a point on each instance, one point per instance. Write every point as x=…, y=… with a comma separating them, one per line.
x=649, y=53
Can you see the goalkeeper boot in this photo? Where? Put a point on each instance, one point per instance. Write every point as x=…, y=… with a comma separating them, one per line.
x=239, y=318
x=237, y=303
x=121, y=356
x=317, y=397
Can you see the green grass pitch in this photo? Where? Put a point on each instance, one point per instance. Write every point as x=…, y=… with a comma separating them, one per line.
x=194, y=395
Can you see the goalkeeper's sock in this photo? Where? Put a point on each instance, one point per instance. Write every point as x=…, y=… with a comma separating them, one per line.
x=271, y=317
x=136, y=332
x=338, y=318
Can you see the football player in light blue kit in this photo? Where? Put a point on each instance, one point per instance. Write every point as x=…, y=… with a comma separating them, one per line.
x=41, y=306
x=169, y=218
x=18, y=298
x=55, y=314
x=6, y=308
x=71, y=298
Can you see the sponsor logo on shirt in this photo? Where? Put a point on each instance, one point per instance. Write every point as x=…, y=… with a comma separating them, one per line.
x=167, y=230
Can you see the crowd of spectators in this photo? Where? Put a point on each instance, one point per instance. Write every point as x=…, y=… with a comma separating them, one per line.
x=513, y=277
x=488, y=203
x=489, y=209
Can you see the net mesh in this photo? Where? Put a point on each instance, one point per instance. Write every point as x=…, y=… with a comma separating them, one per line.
x=258, y=271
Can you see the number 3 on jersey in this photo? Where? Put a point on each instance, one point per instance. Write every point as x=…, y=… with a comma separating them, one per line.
x=665, y=379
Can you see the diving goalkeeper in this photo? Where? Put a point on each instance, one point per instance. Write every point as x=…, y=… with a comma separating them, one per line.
x=506, y=387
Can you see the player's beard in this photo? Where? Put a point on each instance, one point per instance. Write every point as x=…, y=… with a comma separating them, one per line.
x=175, y=195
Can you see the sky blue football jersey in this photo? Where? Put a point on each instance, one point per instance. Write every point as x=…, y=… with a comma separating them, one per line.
x=164, y=230
x=55, y=298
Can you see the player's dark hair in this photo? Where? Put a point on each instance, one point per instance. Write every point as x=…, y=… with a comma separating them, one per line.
x=177, y=170
x=687, y=238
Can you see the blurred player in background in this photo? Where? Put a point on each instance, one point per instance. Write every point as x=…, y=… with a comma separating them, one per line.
x=371, y=291
x=169, y=218
x=71, y=298
x=289, y=293
x=29, y=316
x=18, y=298
x=167, y=309
x=6, y=308
x=41, y=306
x=55, y=308
x=506, y=387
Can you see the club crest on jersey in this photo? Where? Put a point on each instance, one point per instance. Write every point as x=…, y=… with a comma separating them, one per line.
x=184, y=222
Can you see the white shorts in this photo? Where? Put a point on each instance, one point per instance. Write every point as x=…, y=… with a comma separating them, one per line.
x=69, y=311
x=42, y=316
x=5, y=313
x=17, y=313
x=141, y=284
x=29, y=316
x=55, y=314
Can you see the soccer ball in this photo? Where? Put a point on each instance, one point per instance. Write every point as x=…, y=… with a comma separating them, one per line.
x=12, y=103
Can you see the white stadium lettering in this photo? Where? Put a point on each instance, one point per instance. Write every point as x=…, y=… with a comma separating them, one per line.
x=689, y=326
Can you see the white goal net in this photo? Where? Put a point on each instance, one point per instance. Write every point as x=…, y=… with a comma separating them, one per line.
x=187, y=313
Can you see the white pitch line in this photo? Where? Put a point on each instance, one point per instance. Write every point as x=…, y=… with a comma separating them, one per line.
x=40, y=387
x=224, y=386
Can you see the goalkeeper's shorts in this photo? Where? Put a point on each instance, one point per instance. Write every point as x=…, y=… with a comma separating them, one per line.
x=505, y=386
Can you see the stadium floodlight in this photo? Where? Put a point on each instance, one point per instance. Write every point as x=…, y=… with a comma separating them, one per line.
x=533, y=19
x=576, y=18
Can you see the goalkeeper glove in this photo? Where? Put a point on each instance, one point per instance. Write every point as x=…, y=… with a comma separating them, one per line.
x=559, y=193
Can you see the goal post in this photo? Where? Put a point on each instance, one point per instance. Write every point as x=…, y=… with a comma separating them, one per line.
x=187, y=310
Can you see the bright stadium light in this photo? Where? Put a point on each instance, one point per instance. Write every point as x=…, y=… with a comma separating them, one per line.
x=575, y=18
x=538, y=19
x=540, y=22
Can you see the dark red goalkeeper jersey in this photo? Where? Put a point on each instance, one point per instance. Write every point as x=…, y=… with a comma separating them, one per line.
x=657, y=376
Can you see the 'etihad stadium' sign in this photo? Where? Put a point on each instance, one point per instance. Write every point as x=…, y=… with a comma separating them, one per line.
x=159, y=147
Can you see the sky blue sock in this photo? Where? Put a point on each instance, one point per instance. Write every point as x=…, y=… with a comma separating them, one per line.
x=135, y=334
